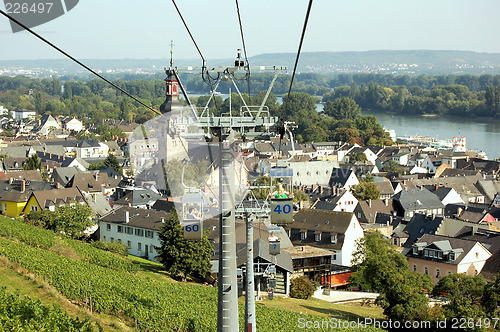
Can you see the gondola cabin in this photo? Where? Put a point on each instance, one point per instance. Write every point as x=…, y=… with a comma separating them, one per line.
x=192, y=215
x=281, y=196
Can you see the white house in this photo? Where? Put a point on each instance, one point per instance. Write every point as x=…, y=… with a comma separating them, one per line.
x=22, y=114
x=74, y=124
x=401, y=158
x=91, y=149
x=331, y=230
x=137, y=228
x=343, y=178
x=343, y=202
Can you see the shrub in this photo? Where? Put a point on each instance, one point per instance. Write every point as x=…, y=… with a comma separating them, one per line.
x=116, y=247
x=301, y=288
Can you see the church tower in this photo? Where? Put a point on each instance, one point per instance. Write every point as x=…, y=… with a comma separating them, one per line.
x=172, y=92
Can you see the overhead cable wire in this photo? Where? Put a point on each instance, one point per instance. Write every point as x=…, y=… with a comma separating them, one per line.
x=247, y=65
x=281, y=128
x=77, y=61
x=199, y=52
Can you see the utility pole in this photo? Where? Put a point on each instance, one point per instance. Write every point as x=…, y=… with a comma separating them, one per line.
x=250, y=322
x=227, y=307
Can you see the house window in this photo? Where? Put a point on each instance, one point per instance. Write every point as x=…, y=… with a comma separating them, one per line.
x=129, y=244
x=139, y=232
x=120, y=229
x=333, y=238
x=151, y=249
x=302, y=235
x=4, y=207
x=108, y=227
x=112, y=239
x=317, y=237
x=414, y=268
x=452, y=256
x=437, y=273
x=139, y=246
x=395, y=241
x=440, y=254
x=149, y=234
x=426, y=270
x=130, y=230
x=104, y=238
x=34, y=208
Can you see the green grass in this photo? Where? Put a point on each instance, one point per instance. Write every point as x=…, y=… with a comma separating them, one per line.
x=318, y=307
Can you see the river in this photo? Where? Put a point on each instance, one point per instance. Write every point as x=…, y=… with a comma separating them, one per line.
x=482, y=134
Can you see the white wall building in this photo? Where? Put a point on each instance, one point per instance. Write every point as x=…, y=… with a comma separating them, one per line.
x=137, y=228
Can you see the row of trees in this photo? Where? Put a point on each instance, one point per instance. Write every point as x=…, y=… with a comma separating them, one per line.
x=453, y=99
x=404, y=294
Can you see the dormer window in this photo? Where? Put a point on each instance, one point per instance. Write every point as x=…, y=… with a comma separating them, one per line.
x=452, y=256
x=333, y=238
x=317, y=237
x=302, y=236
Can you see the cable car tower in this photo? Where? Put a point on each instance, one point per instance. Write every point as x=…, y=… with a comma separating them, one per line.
x=250, y=122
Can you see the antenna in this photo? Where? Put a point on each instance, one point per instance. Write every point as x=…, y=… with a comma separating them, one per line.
x=171, y=54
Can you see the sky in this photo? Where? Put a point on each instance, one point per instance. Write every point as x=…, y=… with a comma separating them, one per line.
x=118, y=29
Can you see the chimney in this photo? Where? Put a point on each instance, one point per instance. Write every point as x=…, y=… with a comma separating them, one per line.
x=436, y=186
x=474, y=230
x=126, y=217
x=162, y=220
x=63, y=157
x=386, y=201
x=23, y=186
x=58, y=185
x=370, y=203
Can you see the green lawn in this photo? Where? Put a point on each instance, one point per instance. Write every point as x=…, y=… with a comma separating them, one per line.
x=318, y=307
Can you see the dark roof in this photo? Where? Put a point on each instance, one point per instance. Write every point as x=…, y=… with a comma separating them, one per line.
x=48, y=198
x=30, y=186
x=377, y=206
x=321, y=220
x=261, y=249
x=64, y=174
x=89, y=181
x=340, y=176
x=139, y=196
x=31, y=175
x=489, y=239
x=419, y=225
x=440, y=192
x=415, y=199
x=491, y=268
x=385, y=187
x=449, y=242
x=148, y=219
x=15, y=196
x=163, y=205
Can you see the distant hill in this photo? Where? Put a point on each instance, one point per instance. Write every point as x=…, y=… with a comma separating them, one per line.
x=389, y=62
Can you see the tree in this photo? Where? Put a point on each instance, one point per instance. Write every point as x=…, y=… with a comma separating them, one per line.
x=70, y=220
x=32, y=163
x=391, y=166
x=381, y=268
x=342, y=108
x=301, y=288
x=180, y=257
x=357, y=156
x=365, y=191
x=465, y=295
x=113, y=162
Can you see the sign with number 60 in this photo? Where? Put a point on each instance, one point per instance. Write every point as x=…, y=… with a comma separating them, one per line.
x=193, y=230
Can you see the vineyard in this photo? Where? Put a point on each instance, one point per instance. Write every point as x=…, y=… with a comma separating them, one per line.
x=92, y=278
x=24, y=314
